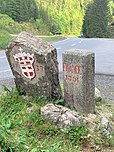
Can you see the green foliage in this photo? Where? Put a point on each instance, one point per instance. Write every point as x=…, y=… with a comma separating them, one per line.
x=53, y=16
x=63, y=16
x=19, y=10
x=42, y=27
x=111, y=6
x=60, y=16
x=102, y=139
x=97, y=19
x=9, y=26
x=77, y=134
x=99, y=102
x=12, y=27
x=22, y=129
x=59, y=101
x=52, y=38
x=5, y=38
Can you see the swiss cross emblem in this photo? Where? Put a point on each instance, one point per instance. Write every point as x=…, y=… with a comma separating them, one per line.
x=26, y=61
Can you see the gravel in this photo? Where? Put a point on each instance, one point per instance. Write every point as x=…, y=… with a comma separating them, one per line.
x=105, y=83
x=8, y=82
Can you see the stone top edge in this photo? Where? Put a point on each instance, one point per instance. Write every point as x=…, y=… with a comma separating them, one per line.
x=32, y=42
x=78, y=51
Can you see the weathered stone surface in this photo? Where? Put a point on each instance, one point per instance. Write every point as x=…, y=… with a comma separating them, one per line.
x=79, y=85
x=97, y=94
x=107, y=128
x=61, y=116
x=34, y=65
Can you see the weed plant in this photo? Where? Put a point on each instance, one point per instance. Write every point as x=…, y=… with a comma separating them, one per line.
x=23, y=129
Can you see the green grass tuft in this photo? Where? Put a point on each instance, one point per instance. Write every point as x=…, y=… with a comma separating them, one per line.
x=22, y=128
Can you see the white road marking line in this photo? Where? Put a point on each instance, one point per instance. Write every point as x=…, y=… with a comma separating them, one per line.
x=60, y=41
x=80, y=41
x=73, y=44
x=58, y=48
x=5, y=71
x=2, y=57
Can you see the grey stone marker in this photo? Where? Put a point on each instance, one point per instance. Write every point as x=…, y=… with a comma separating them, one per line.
x=34, y=65
x=79, y=84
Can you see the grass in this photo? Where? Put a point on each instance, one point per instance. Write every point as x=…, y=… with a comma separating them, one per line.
x=9, y=26
x=53, y=38
x=5, y=38
x=22, y=128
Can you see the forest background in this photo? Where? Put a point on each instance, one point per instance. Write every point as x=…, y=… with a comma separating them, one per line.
x=95, y=18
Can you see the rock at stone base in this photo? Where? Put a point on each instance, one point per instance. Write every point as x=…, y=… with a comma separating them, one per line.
x=107, y=128
x=61, y=116
x=34, y=66
x=97, y=94
x=105, y=122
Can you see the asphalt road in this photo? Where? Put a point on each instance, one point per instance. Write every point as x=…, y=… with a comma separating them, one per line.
x=5, y=71
x=6, y=76
x=104, y=62
x=103, y=49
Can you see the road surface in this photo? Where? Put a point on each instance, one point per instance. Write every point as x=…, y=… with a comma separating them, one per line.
x=5, y=71
x=103, y=49
x=6, y=76
x=104, y=61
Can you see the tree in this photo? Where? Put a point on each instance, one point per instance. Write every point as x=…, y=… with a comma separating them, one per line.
x=97, y=19
x=65, y=16
x=19, y=10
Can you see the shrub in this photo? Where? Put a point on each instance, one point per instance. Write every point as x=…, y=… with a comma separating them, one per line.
x=5, y=38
